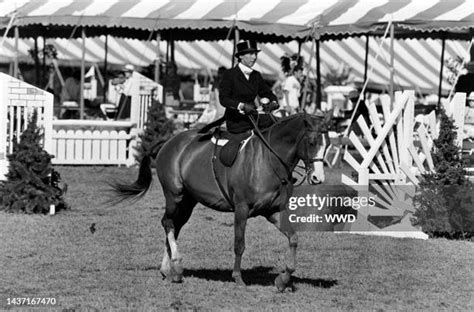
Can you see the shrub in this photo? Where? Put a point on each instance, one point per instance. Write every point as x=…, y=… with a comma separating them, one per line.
x=445, y=199
x=32, y=184
x=158, y=129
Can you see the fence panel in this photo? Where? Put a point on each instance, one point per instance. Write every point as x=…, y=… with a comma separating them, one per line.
x=18, y=100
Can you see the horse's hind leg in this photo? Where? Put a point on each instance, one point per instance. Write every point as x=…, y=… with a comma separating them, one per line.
x=177, y=213
x=284, y=279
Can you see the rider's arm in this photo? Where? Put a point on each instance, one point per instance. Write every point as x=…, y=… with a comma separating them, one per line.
x=226, y=91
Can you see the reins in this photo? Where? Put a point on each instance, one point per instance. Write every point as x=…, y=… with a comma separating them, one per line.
x=270, y=148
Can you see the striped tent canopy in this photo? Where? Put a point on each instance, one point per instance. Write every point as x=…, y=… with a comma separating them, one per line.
x=200, y=28
x=268, y=20
x=417, y=61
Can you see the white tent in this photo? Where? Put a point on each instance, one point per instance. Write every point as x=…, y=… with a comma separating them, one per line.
x=416, y=63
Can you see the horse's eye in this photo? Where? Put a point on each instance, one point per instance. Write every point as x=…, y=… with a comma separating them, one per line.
x=313, y=141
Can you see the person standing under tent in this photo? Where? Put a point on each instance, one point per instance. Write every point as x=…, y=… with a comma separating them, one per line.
x=291, y=86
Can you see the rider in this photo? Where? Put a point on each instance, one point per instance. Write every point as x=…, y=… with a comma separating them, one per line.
x=239, y=88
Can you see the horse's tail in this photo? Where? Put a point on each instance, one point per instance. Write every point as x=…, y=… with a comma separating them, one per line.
x=137, y=189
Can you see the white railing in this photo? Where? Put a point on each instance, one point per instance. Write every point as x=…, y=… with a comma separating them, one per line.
x=93, y=142
x=79, y=142
x=100, y=142
x=18, y=100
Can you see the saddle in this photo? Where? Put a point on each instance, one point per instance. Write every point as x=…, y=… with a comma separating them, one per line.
x=228, y=145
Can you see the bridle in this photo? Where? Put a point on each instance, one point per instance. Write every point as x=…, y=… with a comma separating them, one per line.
x=307, y=161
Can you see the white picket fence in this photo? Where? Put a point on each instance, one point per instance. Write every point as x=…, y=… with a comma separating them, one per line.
x=73, y=142
x=94, y=142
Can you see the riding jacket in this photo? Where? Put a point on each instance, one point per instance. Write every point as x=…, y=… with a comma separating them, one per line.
x=234, y=89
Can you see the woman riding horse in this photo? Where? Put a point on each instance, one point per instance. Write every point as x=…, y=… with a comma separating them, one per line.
x=239, y=88
x=258, y=183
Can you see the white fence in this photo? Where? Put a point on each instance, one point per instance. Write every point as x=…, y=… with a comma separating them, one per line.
x=80, y=142
x=94, y=142
x=17, y=102
x=111, y=142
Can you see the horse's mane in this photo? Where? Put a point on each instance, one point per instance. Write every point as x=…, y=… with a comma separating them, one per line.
x=287, y=119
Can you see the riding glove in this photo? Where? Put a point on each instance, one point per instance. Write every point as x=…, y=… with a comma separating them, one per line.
x=271, y=106
x=248, y=109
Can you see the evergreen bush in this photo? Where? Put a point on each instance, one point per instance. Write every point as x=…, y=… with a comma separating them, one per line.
x=32, y=184
x=158, y=129
x=445, y=196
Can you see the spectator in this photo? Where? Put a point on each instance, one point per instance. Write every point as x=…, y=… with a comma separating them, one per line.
x=125, y=90
x=291, y=86
x=71, y=90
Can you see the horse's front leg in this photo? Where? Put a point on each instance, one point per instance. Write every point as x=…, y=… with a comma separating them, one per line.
x=283, y=280
x=240, y=223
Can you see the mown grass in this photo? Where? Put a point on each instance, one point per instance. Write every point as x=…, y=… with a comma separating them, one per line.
x=116, y=267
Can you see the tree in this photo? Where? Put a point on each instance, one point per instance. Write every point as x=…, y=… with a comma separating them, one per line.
x=158, y=129
x=445, y=199
x=32, y=184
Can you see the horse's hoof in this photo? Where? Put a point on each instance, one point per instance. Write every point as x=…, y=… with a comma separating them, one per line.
x=282, y=281
x=239, y=281
x=163, y=275
x=279, y=284
x=165, y=271
x=176, y=274
x=176, y=278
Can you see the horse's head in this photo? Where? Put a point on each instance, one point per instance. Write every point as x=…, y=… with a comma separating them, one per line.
x=312, y=146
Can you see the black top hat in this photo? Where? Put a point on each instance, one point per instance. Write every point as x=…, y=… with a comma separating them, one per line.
x=246, y=46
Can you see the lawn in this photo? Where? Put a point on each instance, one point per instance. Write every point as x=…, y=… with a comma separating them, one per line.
x=95, y=257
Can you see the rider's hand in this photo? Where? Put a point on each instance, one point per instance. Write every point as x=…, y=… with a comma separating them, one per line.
x=248, y=108
x=269, y=107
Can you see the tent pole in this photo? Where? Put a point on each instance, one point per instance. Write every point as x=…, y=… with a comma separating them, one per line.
x=366, y=62
x=158, y=58
x=43, y=66
x=392, y=54
x=318, y=76
x=167, y=60
x=37, y=69
x=83, y=57
x=392, y=58
x=106, y=78
x=172, y=51
x=443, y=46
x=15, y=67
x=236, y=39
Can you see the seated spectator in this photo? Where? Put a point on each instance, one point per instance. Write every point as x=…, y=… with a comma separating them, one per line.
x=125, y=90
x=71, y=91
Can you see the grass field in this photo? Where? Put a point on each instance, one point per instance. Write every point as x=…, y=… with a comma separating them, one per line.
x=117, y=266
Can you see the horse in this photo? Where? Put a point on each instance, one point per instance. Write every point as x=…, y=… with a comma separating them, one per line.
x=258, y=183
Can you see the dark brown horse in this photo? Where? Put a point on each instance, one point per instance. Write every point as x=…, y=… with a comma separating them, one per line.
x=257, y=184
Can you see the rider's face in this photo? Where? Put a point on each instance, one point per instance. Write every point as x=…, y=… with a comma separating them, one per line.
x=248, y=59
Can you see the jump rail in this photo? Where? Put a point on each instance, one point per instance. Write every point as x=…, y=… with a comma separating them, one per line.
x=388, y=171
